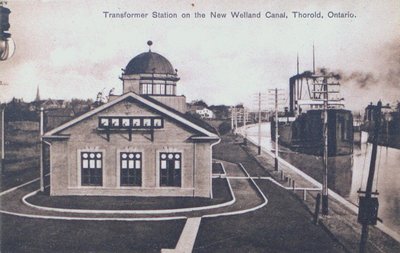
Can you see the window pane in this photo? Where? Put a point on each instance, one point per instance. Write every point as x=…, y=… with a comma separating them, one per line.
x=115, y=122
x=163, y=164
x=169, y=89
x=136, y=122
x=91, y=164
x=85, y=180
x=147, y=122
x=85, y=164
x=177, y=164
x=124, y=164
x=124, y=173
x=104, y=122
x=162, y=89
x=157, y=89
x=157, y=122
x=98, y=164
x=130, y=164
x=137, y=164
x=125, y=122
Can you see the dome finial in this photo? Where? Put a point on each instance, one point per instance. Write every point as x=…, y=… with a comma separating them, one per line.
x=149, y=43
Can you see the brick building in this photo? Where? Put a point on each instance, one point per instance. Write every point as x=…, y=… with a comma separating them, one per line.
x=140, y=143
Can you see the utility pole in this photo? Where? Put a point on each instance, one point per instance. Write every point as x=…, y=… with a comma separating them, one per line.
x=41, y=150
x=325, y=155
x=368, y=205
x=244, y=126
x=275, y=99
x=2, y=139
x=236, y=118
x=232, y=119
x=276, y=130
x=313, y=58
x=259, y=123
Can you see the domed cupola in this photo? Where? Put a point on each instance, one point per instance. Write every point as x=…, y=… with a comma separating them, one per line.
x=151, y=74
x=149, y=63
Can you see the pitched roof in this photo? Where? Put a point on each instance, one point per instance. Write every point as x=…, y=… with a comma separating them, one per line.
x=185, y=119
x=186, y=115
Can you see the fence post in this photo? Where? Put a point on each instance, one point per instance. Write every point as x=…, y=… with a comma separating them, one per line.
x=317, y=203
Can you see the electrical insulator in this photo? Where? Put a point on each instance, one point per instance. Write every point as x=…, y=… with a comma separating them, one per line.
x=7, y=45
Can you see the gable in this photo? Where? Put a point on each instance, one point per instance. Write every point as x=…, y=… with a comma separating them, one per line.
x=129, y=105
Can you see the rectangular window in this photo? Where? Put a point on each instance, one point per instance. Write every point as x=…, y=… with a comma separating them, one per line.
x=136, y=122
x=157, y=89
x=169, y=90
x=149, y=89
x=157, y=123
x=115, y=122
x=147, y=122
x=162, y=89
x=142, y=87
x=126, y=122
x=91, y=168
x=104, y=122
x=131, y=168
x=170, y=169
x=130, y=122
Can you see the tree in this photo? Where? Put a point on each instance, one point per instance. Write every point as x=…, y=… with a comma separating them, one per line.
x=199, y=103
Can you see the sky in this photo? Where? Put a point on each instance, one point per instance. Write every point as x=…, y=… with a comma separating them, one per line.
x=70, y=50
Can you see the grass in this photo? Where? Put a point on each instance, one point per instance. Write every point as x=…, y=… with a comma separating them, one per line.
x=39, y=235
x=220, y=190
x=217, y=168
x=229, y=149
x=11, y=179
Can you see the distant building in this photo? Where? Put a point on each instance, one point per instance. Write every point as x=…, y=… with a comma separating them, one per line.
x=205, y=113
x=48, y=104
x=141, y=143
x=57, y=117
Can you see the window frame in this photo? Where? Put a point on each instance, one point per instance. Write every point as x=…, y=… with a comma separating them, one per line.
x=82, y=169
x=137, y=182
x=131, y=120
x=160, y=172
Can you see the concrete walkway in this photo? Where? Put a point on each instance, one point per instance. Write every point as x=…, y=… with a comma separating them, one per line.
x=187, y=238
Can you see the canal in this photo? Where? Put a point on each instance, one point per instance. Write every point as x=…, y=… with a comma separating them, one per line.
x=347, y=174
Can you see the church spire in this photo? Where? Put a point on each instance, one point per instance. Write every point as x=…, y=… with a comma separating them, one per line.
x=37, y=99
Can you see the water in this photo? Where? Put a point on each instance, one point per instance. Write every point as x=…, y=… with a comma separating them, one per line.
x=347, y=174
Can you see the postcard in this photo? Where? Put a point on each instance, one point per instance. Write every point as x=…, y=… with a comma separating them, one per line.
x=199, y=126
